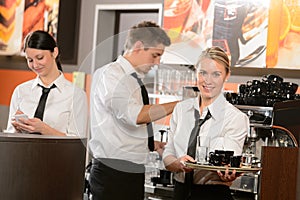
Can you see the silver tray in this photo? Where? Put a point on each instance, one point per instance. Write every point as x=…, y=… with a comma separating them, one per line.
x=223, y=168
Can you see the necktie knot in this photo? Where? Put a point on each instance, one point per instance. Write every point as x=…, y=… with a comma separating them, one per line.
x=134, y=75
x=207, y=117
x=46, y=90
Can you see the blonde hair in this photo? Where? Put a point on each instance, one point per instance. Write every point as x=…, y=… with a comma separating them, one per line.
x=217, y=54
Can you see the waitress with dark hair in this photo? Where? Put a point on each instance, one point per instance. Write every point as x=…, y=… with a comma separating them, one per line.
x=51, y=103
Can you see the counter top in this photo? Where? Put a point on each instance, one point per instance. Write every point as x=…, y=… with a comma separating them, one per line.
x=29, y=137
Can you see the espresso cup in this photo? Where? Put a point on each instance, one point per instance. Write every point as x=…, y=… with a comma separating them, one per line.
x=289, y=87
x=216, y=159
x=228, y=154
x=243, y=88
x=235, y=161
x=220, y=157
x=273, y=78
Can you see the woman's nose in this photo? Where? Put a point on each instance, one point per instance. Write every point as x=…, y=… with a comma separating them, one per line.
x=34, y=63
x=207, y=78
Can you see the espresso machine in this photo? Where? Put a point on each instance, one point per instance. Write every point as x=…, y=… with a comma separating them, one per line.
x=262, y=132
x=260, y=120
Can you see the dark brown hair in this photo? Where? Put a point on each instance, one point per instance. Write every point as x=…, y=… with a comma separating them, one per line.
x=149, y=33
x=43, y=41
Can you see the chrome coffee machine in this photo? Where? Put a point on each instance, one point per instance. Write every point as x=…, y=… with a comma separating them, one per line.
x=262, y=132
x=259, y=131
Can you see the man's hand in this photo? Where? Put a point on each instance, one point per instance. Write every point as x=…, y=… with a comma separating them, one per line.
x=159, y=147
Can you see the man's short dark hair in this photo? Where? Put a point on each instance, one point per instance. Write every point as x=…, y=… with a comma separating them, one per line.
x=149, y=33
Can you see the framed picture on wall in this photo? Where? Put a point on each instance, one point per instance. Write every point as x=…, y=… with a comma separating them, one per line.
x=20, y=17
x=255, y=34
x=11, y=23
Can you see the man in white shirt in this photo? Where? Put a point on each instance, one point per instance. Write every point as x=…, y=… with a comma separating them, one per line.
x=119, y=116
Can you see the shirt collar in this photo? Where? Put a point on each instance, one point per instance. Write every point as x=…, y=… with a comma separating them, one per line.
x=58, y=82
x=215, y=109
x=127, y=67
x=196, y=107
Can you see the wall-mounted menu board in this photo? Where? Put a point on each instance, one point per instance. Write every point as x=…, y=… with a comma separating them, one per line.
x=254, y=33
x=19, y=17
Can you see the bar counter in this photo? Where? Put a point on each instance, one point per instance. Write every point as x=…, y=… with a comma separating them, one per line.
x=41, y=167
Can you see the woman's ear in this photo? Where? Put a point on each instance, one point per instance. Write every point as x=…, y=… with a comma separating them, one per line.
x=227, y=76
x=55, y=52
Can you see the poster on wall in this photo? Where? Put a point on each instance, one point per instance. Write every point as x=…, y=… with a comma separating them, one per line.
x=19, y=17
x=189, y=24
x=254, y=33
x=240, y=28
x=283, y=48
x=11, y=20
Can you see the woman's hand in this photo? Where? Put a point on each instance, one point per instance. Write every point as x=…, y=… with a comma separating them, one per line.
x=178, y=165
x=35, y=125
x=228, y=176
x=15, y=123
x=30, y=125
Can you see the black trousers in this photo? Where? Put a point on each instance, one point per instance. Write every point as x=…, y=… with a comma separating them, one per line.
x=201, y=192
x=112, y=179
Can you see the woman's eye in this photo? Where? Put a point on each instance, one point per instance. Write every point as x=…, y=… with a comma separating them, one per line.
x=216, y=74
x=202, y=73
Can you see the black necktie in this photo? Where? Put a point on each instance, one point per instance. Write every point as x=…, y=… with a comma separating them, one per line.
x=192, y=146
x=193, y=137
x=39, y=112
x=146, y=102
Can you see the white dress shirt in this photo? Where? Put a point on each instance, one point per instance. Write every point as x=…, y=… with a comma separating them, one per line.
x=116, y=102
x=227, y=130
x=66, y=108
